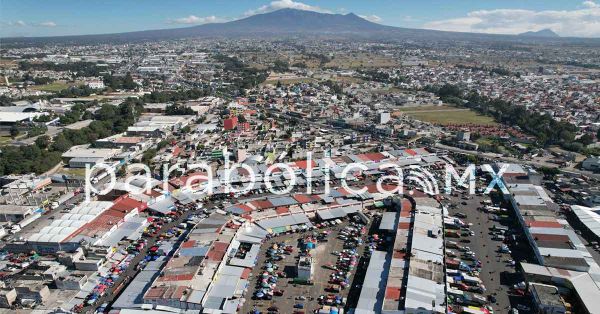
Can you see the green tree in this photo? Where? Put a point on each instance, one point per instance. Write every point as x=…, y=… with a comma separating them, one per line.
x=14, y=131
x=586, y=139
x=128, y=82
x=42, y=141
x=61, y=143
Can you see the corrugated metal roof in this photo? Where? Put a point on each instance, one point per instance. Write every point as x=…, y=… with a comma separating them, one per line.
x=388, y=221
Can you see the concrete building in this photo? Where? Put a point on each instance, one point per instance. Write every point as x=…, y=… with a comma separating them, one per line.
x=384, y=117
x=82, y=155
x=32, y=290
x=73, y=281
x=591, y=164
x=547, y=299
x=305, y=268
x=463, y=136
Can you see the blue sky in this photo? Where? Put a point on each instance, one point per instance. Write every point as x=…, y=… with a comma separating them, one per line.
x=71, y=17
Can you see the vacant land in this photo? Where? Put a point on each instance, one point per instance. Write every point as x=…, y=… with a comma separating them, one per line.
x=289, y=81
x=5, y=139
x=74, y=172
x=445, y=115
x=357, y=61
x=52, y=87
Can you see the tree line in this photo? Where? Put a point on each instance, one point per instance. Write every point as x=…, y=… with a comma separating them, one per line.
x=46, y=153
x=544, y=127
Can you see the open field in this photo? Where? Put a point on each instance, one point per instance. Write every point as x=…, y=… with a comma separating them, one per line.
x=362, y=61
x=426, y=108
x=347, y=80
x=75, y=172
x=289, y=81
x=444, y=115
x=5, y=139
x=52, y=87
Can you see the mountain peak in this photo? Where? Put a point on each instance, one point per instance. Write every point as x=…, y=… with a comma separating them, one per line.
x=290, y=20
x=546, y=33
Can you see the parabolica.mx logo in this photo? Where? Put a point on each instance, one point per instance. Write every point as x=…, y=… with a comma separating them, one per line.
x=280, y=178
x=424, y=179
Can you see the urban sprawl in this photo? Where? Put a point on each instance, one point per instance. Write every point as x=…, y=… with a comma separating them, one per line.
x=299, y=239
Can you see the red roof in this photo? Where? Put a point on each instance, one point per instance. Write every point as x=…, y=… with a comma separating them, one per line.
x=246, y=216
x=410, y=152
x=188, y=244
x=386, y=187
x=110, y=217
x=262, y=204
x=404, y=225
x=129, y=139
x=392, y=293
x=181, y=181
x=245, y=208
x=282, y=210
x=217, y=251
x=246, y=273
x=176, y=151
x=544, y=224
x=398, y=254
x=343, y=191
x=372, y=156
x=128, y=203
x=302, y=198
x=550, y=237
x=183, y=277
x=417, y=193
x=303, y=164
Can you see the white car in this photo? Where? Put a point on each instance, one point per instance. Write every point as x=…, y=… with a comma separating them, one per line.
x=522, y=307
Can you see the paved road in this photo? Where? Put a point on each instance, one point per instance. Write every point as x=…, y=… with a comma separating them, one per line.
x=52, y=131
x=518, y=161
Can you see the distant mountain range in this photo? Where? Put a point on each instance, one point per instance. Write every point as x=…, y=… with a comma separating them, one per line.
x=286, y=23
x=544, y=33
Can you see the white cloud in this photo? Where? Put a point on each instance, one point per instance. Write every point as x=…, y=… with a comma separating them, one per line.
x=373, y=18
x=285, y=4
x=584, y=22
x=47, y=24
x=192, y=19
x=21, y=23
x=17, y=23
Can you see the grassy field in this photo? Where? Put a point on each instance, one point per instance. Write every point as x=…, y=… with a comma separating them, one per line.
x=5, y=139
x=445, y=115
x=426, y=108
x=347, y=79
x=289, y=81
x=52, y=87
x=76, y=172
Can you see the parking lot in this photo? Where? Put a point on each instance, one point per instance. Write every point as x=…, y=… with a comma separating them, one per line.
x=497, y=273
x=298, y=297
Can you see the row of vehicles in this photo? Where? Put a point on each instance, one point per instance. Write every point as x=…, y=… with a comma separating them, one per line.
x=466, y=290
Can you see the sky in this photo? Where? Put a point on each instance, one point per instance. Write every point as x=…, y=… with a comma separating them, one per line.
x=579, y=18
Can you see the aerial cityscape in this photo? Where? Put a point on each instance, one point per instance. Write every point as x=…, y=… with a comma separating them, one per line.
x=296, y=157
